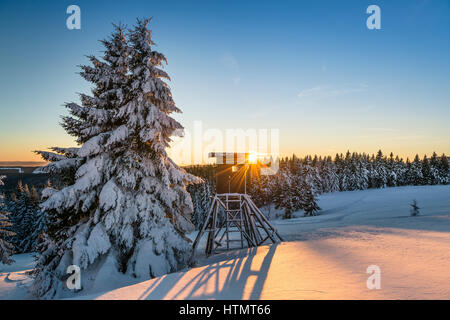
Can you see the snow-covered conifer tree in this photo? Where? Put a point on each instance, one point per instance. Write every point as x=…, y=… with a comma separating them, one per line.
x=392, y=178
x=380, y=176
x=25, y=212
x=426, y=171
x=400, y=169
x=259, y=190
x=444, y=172
x=434, y=169
x=330, y=178
x=127, y=209
x=201, y=198
x=310, y=205
x=6, y=248
x=288, y=194
x=416, y=171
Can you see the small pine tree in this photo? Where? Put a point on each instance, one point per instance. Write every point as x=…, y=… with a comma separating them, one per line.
x=310, y=205
x=414, y=209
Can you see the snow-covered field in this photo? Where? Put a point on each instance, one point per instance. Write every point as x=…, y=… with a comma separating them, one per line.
x=14, y=278
x=324, y=257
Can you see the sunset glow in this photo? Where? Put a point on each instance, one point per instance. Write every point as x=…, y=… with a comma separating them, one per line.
x=327, y=89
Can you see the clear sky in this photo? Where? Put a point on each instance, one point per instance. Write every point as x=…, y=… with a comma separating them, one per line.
x=309, y=68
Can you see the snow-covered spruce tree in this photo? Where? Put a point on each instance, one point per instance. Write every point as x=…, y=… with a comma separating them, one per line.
x=64, y=162
x=416, y=171
x=434, y=169
x=25, y=213
x=380, y=173
x=201, y=193
x=201, y=199
x=310, y=205
x=288, y=194
x=258, y=190
x=127, y=209
x=426, y=171
x=6, y=248
x=444, y=172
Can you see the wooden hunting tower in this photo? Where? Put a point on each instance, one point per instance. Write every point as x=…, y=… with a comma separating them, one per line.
x=233, y=217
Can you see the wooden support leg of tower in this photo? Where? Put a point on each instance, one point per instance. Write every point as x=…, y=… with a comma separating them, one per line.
x=227, y=231
x=269, y=234
x=241, y=224
x=259, y=220
x=257, y=235
x=252, y=230
x=248, y=226
x=263, y=217
x=205, y=224
x=212, y=233
x=236, y=211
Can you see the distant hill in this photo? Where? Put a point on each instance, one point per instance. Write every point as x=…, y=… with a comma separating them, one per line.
x=26, y=175
x=22, y=163
x=8, y=170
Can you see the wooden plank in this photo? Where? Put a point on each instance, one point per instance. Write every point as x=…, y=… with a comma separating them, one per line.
x=263, y=217
x=199, y=235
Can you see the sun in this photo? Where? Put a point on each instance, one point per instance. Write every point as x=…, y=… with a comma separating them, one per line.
x=252, y=158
